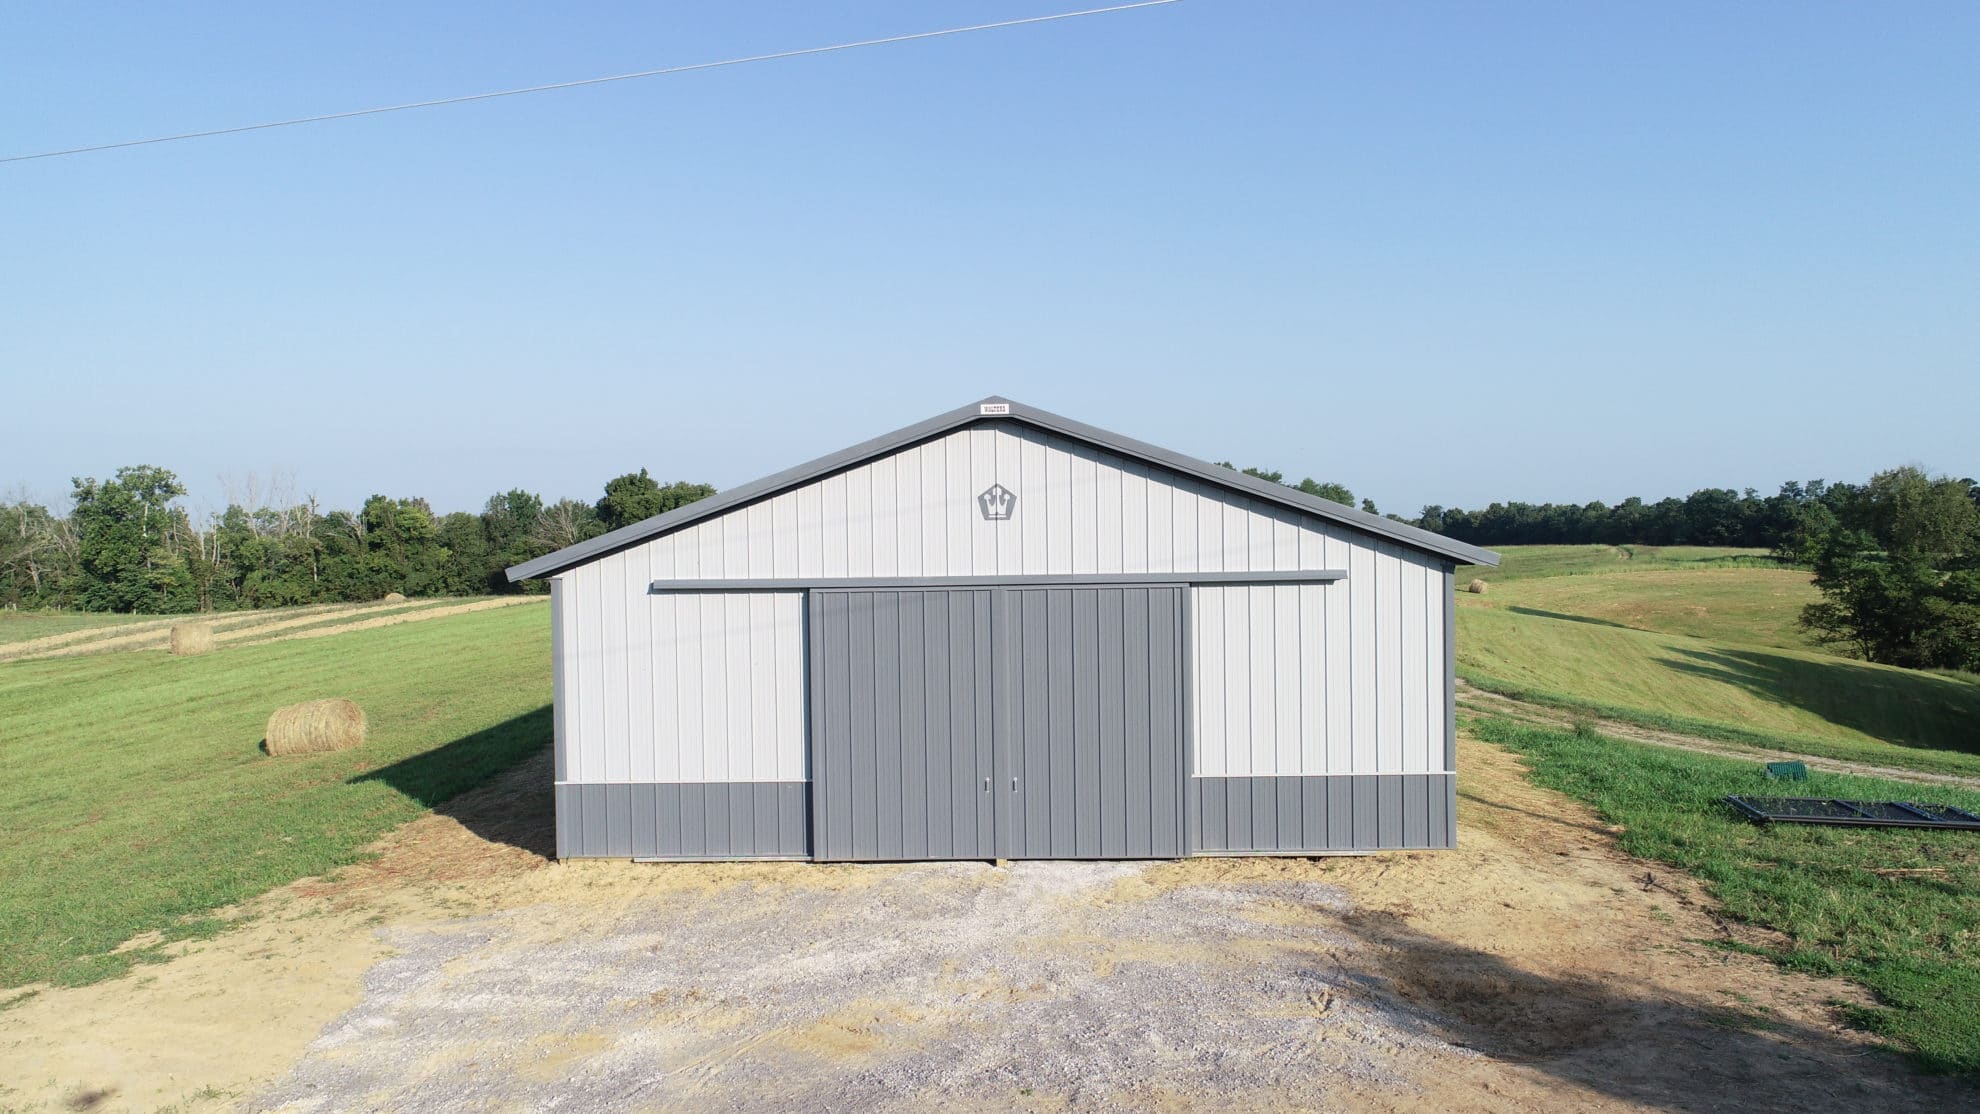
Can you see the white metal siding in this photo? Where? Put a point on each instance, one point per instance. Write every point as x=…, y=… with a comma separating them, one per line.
x=1305, y=679
x=1079, y=510
x=1313, y=678
x=678, y=688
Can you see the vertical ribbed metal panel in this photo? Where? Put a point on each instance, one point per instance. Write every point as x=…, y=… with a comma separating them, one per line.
x=902, y=707
x=684, y=820
x=1318, y=679
x=713, y=691
x=570, y=822
x=913, y=513
x=1338, y=813
x=1282, y=671
x=1093, y=732
x=1067, y=699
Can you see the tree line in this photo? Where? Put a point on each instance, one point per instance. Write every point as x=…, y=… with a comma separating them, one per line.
x=1896, y=558
x=1709, y=516
x=128, y=544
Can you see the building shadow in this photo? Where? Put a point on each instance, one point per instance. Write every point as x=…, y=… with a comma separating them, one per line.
x=1910, y=709
x=1710, y=1054
x=1546, y=817
x=496, y=782
x=1589, y=619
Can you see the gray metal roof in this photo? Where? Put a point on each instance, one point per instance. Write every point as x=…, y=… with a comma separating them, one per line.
x=1389, y=529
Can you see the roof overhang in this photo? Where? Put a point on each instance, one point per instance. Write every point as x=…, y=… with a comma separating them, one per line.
x=991, y=410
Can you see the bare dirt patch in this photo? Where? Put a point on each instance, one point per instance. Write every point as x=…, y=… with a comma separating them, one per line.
x=1536, y=967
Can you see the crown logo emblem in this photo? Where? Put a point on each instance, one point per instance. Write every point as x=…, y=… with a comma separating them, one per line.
x=997, y=503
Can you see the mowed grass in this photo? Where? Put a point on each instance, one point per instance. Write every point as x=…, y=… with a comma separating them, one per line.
x=25, y=626
x=1704, y=641
x=1897, y=910
x=1529, y=562
x=1751, y=606
x=134, y=797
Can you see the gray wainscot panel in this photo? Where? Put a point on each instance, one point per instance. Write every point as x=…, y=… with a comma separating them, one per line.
x=1337, y=813
x=685, y=820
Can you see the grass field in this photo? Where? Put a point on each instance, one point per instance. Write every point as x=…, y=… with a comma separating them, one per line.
x=134, y=800
x=23, y=626
x=1530, y=562
x=134, y=797
x=1897, y=910
x=1755, y=606
x=1704, y=641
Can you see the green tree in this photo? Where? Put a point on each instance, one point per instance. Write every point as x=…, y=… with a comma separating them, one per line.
x=508, y=523
x=122, y=527
x=1899, y=572
x=636, y=497
x=1332, y=492
x=402, y=552
x=465, y=543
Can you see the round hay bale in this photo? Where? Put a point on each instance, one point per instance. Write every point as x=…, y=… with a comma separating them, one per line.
x=315, y=726
x=1477, y=587
x=394, y=597
x=192, y=638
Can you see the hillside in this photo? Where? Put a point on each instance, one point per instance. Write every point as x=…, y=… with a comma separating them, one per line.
x=1705, y=640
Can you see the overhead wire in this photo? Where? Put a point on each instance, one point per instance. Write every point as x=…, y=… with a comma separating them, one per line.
x=560, y=85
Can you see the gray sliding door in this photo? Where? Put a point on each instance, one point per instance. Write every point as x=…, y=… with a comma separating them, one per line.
x=902, y=695
x=1092, y=754
x=997, y=723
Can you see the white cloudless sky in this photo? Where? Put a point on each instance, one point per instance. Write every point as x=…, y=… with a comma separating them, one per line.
x=1441, y=253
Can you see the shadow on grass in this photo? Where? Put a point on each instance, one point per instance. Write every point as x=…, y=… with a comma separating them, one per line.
x=462, y=779
x=1560, y=818
x=1924, y=711
x=1589, y=619
x=1646, y=1045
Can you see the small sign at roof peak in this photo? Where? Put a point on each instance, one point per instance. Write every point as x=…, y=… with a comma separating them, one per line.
x=993, y=408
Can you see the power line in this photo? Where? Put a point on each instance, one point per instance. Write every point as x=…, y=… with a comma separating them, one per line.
x=588, y=81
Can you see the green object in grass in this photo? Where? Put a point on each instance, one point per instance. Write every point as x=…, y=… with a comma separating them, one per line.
x=1787, y=771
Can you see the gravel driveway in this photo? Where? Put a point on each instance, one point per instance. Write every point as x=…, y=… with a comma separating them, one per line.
x=957, y=984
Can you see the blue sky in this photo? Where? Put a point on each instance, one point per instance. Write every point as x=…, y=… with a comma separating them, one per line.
x=1438, y=252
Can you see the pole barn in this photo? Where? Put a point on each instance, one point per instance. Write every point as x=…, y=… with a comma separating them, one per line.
x=1004, y=634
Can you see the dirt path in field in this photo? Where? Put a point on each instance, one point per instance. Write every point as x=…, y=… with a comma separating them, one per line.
x=1476, y=699
x=1534, y=968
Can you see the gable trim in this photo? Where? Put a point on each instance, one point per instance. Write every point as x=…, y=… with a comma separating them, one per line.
x=990, y=411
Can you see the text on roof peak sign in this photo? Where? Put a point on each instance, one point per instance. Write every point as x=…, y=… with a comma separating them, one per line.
x=993, y=408
x=997, y=503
